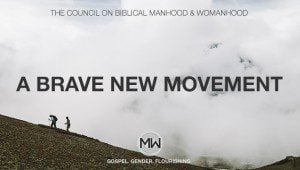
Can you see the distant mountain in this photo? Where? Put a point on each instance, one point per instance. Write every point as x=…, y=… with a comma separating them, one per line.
x=25, y=145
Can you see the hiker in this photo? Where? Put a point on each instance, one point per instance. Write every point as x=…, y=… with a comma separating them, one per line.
x=53, y=120
x=68, y=123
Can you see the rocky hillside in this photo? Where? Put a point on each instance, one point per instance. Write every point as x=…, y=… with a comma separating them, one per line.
x=25, y=145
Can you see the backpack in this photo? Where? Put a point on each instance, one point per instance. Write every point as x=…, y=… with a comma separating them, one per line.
x=54, y=117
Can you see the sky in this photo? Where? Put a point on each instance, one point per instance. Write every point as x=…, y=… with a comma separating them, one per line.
x=255, y=128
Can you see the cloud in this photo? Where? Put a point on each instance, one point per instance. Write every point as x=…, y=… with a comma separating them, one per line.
x=255, y=128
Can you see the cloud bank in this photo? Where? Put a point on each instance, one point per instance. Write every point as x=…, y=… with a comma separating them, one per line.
x=248, y=128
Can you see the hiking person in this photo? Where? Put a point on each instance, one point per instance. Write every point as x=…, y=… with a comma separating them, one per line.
x=68, y=123
x=53, y=120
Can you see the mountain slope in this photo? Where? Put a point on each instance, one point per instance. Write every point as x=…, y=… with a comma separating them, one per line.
x=26, y=145
x=289, y=163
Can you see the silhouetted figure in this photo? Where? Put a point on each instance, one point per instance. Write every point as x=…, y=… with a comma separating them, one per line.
x=53, y=120
x=68, y=123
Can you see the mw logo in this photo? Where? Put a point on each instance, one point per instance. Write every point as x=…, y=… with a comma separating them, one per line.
x=150, y=143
